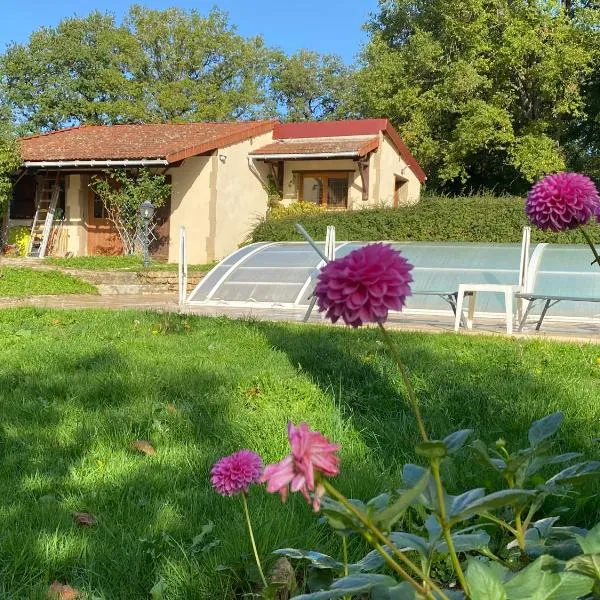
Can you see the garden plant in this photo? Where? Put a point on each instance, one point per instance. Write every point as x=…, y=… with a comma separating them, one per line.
x=507, y=544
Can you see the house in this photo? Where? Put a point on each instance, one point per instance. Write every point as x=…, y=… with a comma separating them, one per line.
x=219, y=174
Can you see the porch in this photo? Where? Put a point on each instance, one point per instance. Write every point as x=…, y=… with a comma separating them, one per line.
x=81, y=226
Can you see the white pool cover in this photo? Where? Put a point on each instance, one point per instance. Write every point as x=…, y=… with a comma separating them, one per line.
x=283, y=274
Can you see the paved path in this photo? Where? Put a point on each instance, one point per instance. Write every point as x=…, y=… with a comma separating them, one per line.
x=114, y=301
x=586, y=332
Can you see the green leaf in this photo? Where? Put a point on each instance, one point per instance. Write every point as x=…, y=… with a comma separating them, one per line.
x=590, y=542
x=545, y=428
x=586, y=564
x=379, y=587
x=159, y=589
x=493, y=501
x=390, y=515
x=497, y=463
x=318, y=560
x=541, y=461
x=484, y=582
x=355, y=584
x=410, y=541
x=432, y=449
x=411, y=474
x=575, y=474
x=457, y=504
x=455, y=441
x=402, y=591
x=465, y=542
x=370, y=562
x=544, y=580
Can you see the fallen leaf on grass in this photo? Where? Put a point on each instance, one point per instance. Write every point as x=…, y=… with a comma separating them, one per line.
x=58, y=591
x=253, y=392
x=84, y=519
x=143, y=446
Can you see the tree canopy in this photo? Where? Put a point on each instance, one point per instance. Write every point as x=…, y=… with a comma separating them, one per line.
x=156, y=65
x=309, y=86
x=485, y=92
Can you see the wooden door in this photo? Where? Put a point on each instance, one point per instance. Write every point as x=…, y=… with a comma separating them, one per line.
x=400, y=191
x=102, y=236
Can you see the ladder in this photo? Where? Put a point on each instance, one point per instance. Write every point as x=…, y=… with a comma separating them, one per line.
x=44, y=217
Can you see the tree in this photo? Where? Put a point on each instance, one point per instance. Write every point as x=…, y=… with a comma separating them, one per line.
x=170, y=65
x=483, y=91
x=10, y=161
x=308, y=85
x=122, y=194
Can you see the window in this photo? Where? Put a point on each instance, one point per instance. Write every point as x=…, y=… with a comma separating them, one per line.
x=99, y=209
x=328, y=189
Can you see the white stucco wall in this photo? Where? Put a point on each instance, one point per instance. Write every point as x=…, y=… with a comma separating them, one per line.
x=241, y=195
x=390, y=164
x=191, y=193
x=217, y=200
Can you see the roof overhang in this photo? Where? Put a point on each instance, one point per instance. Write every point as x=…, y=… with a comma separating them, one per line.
x=306, y=156
x=61, y=164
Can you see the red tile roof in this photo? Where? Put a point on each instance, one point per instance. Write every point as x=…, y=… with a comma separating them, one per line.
x=170, y=141
x=357, y=145
x=350, y=127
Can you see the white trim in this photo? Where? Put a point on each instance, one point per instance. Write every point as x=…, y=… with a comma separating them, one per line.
x=311, y=276
x=234, y=266
x=305, y=156
x=182, y=268
x=304, y=287
x=534, y=264
x=96, y=163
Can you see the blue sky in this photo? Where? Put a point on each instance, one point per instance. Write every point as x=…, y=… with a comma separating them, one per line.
x=332, y=26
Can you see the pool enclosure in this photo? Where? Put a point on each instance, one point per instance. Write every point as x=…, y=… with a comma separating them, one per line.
x=283, y=275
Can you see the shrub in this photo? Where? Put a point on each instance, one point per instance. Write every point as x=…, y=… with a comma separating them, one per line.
x=19, y=237
x=464, y=219
x=280, y=211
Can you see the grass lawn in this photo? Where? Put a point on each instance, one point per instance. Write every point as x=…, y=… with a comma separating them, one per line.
x=76, y=388
x=119, y=263
x=18, y=282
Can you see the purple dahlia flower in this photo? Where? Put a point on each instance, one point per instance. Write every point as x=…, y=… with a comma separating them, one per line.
x=363, y=286
x=235, y=473
x=563, y=201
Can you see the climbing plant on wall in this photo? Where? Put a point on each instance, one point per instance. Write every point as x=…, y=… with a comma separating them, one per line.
x=122, y=193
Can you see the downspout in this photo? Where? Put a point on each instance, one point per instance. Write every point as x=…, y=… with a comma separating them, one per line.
x=363, y=169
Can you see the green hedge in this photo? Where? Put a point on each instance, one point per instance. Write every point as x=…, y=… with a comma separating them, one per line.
x=464, y=219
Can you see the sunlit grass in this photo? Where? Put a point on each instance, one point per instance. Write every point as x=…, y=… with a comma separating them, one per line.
x=76, y=388
x=20, y=282
x=119, y=263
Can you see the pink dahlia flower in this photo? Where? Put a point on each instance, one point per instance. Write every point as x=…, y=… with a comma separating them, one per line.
x=235, y=473
x=311, y=451
x=363, y=286
x=562, y=201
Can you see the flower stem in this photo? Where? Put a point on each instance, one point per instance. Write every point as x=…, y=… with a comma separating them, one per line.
x=251, y=533
x=446, y=527
x=520, y=531
x=435, y=464
x=412, y=396
x=345, y=551
x=382, y=539
x=499, y=522
x=590, y=242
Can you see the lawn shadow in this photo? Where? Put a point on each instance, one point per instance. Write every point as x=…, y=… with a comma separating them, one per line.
x=53, y=438
x=484, y=384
